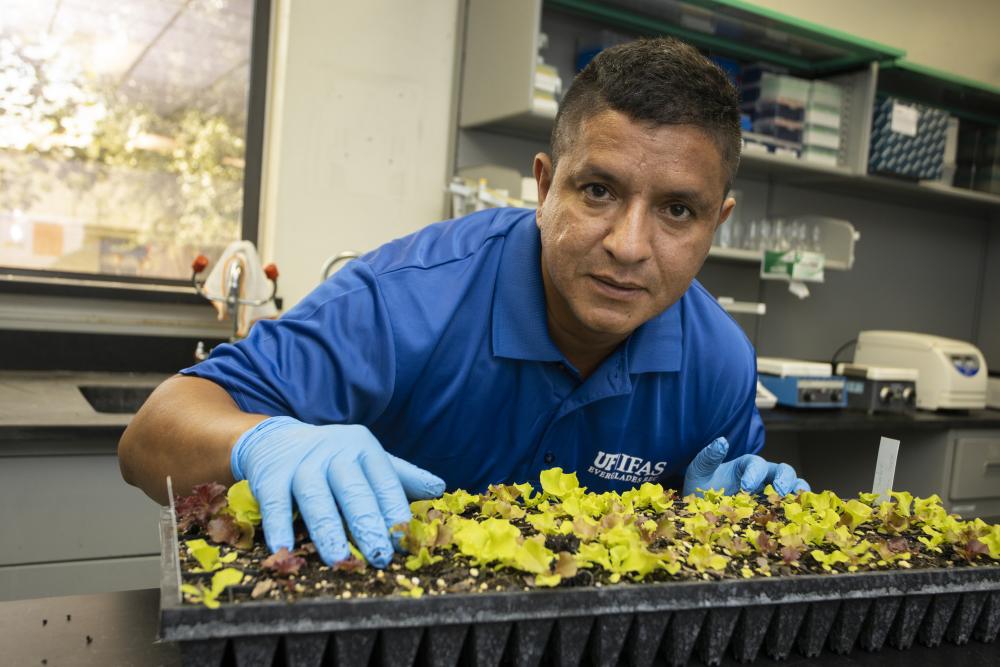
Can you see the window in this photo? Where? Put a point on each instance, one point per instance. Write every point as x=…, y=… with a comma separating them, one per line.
x=124, y=148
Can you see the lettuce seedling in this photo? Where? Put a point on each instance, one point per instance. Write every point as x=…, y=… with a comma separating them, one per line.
x=828, y=560
x=454, y=503
x=197, y=509
x=355, y=561
x=210, y=596
x=489, y=541
x=208, y=556
x=702, y=558
x=533, y=557
x=855, y=513
x=559, y=484
x=973, y=549
x=226, y=529
x=410, y=589
x=283, y=562
x=421, y=559
x=593, y=553
x=242, y=505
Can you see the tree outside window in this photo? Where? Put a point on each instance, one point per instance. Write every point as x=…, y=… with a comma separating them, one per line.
x=122, y=133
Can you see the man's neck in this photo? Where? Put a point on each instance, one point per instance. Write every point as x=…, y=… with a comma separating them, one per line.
x=585, y=354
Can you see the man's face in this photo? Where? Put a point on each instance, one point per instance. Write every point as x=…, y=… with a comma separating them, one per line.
x=626, y=222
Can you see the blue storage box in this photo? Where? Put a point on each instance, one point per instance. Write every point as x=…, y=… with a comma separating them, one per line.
x=907, y=139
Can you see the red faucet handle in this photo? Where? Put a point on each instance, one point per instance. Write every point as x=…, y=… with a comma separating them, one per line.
x=199, y=263
x=271, y=271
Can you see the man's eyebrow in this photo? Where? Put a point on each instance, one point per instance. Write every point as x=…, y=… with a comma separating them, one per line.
x=597, y=173
x=699, y=200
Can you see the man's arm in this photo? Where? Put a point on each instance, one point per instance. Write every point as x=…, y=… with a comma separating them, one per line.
x=187, y=430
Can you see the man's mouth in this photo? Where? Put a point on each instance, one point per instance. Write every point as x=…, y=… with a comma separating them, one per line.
x=617, y=289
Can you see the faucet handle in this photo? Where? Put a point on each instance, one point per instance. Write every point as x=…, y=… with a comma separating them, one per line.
x=271, y=271
x=199, y=264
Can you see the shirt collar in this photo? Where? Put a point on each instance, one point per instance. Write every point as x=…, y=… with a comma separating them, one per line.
x=520, y=324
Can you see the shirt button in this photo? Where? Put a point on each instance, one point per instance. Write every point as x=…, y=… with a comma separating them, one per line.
x=549, y=457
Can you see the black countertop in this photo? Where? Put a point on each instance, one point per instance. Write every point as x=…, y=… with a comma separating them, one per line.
x=787, y=419
x=123, y=626
x=45, y=406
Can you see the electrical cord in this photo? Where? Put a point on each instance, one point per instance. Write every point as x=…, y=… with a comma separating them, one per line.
x=833, y=361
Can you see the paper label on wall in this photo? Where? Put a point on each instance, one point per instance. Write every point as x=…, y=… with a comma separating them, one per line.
x=809, y=266
x=792, y=265
x=904, y=119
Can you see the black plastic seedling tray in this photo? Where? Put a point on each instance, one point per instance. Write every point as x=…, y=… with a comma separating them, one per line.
x=631, y=624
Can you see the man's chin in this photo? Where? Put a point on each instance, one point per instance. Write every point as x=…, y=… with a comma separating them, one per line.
x=611, y=325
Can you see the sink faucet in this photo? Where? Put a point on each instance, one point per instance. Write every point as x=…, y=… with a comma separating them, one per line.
x=235, y=283
x=333, y=260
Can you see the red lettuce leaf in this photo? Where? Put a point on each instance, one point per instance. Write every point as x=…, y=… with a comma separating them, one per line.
x=283, y=563
x=197, y=509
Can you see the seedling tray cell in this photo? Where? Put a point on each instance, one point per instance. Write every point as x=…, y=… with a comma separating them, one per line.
x=635, y=624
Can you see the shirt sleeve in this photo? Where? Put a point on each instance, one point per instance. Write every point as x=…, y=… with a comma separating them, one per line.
x=329, y=360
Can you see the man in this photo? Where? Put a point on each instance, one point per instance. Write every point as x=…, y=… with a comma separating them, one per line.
x=489, y=348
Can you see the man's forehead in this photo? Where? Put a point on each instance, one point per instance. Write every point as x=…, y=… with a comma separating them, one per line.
x=612, y=142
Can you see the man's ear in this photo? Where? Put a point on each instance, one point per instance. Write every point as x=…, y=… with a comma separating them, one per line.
x=727, y=209
x=542, y=169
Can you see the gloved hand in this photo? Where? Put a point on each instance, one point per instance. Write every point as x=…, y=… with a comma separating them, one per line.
x=326, y=469
x=748, y=473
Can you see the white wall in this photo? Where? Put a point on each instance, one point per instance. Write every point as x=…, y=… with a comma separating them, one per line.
x=959, y=36
x=360, y=126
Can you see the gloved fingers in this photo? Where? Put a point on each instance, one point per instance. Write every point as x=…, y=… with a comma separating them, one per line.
x=356, y=500
x=705, y=462
x=418, y=484
x=753, y=473
x=319, y=511
x=800, y=485
x=276, y=515
x=784, y=479
x=389, y=492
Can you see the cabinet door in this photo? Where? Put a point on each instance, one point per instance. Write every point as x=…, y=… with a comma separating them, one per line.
x=61, y=508
x=976, y=470
x=81, y=577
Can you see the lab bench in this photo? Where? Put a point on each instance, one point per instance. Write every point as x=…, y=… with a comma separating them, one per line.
x=122, y=628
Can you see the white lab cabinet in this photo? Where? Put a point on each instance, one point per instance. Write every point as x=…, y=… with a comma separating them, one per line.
x=69, y=524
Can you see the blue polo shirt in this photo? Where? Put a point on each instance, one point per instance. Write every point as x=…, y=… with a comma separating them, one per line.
x=438, y=343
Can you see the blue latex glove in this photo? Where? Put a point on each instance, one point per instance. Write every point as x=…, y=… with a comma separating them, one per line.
x=748, y=473
x=330, y=471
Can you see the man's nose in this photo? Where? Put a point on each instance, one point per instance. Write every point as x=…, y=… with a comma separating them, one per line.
x=628, y=239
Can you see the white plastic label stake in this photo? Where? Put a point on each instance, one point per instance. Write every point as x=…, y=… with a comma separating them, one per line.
x=885, y=467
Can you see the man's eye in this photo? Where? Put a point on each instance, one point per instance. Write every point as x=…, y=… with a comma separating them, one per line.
x=679, y=211
x=596, y=190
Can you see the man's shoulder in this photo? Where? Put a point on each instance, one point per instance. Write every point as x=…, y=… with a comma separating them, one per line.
x=711, y=331
x=447, y=242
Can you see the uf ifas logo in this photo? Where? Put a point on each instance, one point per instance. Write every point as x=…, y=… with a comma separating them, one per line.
x=626, y=468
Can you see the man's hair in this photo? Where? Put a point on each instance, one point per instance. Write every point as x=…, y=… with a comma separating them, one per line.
x=661, y=81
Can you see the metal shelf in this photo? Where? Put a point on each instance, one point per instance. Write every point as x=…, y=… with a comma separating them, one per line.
x=838, y=180
x=754, y=257
x=740, y=30
x=958, y=95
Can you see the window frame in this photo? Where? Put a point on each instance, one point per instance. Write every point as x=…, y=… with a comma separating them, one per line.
x=174, y=290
